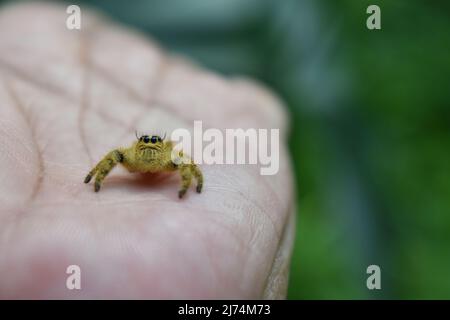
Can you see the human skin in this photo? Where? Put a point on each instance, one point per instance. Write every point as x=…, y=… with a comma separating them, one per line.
x=67, y=97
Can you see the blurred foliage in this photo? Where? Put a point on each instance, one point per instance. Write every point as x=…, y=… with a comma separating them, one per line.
x=370, y=126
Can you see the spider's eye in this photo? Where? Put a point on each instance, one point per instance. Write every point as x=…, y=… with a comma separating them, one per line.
x=154, y=139
x=159, y=139
x=146, y=139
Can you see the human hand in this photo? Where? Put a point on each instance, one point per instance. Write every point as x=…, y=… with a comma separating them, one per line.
x=67, y=98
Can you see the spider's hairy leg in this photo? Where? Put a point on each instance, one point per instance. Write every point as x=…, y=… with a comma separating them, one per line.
x=102, y=169
x=198, y=176
x=186, y=178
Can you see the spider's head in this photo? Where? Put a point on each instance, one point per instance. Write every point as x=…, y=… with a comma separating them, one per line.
x=150, y=142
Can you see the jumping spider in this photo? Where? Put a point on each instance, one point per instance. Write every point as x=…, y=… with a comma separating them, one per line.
x=148, y=154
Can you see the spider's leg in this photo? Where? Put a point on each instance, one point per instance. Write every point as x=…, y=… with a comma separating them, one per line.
x=198, y=176
x=90, y=175
x=186, y=178
x=102, y=169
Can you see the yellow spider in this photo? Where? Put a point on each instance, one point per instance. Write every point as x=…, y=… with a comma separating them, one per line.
x=148, y=154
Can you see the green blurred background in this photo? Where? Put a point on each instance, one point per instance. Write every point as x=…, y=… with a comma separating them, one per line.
x=370, y=135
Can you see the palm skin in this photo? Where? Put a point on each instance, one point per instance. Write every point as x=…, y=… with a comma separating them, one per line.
x=67, y=98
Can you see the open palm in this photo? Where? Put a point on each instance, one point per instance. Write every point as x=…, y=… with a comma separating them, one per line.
x=68, y=97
